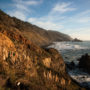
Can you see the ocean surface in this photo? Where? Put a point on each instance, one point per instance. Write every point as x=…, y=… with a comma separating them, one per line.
x=72, y=51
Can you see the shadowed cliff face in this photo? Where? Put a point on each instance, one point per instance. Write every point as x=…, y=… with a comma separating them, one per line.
x=25, y=66
x=34, y=33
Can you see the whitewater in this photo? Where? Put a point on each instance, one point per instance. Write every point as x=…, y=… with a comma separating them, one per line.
x=72, y=51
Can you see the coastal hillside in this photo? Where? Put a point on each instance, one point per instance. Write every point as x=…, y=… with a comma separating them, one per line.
x=34, y=33
x=25, y=66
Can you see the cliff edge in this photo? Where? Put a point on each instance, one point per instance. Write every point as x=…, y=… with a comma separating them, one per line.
x=25, y=66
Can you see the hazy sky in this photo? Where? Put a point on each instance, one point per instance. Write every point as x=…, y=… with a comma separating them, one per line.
x=68, y=16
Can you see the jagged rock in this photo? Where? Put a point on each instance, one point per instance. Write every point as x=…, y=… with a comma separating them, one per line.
x=84, y=63
x=7, y=48
x=71, y=65
x=47, y=62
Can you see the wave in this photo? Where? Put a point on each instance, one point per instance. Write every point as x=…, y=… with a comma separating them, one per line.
x=67, y=46
x=71, y=51
x=81, y=77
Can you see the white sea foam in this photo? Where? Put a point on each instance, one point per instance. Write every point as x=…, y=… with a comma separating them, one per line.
x=67, y=46
x=81, y=77
x=71, y=51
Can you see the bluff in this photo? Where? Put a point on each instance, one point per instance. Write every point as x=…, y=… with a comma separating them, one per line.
x=25, y=66
x=34, y=33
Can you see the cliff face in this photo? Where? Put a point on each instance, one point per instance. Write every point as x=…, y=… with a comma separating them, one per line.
x=25, y=66
x=35, y=34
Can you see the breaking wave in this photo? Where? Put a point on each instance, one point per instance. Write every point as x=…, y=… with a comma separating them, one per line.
x=71, y=51
x=67, y=46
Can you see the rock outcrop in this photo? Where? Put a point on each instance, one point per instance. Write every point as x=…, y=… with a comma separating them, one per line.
x=84, y=63
x=26, y=66
x=77, y=40
x=71, y=65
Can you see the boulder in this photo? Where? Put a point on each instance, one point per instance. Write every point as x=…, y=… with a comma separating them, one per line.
x=71, y=65
x=84, y=63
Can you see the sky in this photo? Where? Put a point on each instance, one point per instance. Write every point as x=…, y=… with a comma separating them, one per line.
x=71, y=17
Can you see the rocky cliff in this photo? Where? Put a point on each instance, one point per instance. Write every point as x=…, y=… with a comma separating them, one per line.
x=34, y=33
x=84, y=63
x=25, y=66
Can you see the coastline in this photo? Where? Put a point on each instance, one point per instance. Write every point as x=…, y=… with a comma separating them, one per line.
x=85, y=78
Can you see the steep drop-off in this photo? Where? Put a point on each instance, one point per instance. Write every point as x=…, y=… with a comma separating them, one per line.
x=25, y=66
x=34, y=33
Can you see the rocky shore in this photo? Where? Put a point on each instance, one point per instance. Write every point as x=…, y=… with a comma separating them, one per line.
x=25, y=66
x=80, y=72
x=84, y=63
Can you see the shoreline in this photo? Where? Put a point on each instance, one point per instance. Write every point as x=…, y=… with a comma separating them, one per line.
x=82, y=77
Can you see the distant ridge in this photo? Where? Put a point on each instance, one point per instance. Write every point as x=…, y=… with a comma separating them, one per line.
x=34, y=33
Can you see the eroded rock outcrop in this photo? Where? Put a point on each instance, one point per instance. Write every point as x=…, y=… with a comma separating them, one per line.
x=84, y=63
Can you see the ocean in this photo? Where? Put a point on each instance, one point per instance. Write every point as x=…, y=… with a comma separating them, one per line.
x=72, y=51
